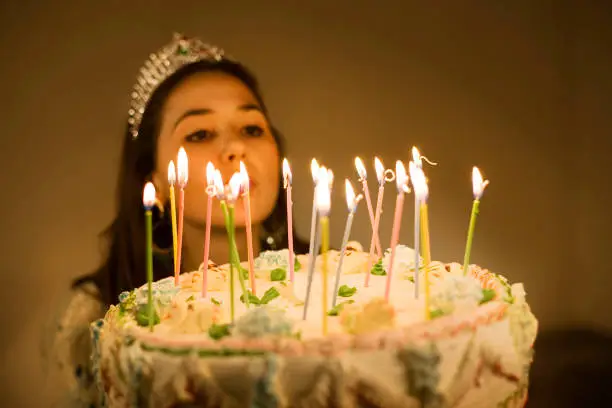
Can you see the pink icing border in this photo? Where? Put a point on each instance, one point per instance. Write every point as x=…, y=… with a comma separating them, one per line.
x=334, y=344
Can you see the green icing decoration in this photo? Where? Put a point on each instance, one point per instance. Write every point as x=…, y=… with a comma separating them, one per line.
x=278, y=274
x=346, y=291
x=487, y=295
x=254, y=300
x=297, y=265
x=270, y=294
x=142, y=316
x=244, y=272
x=436, y=313
x=378, y=269
x=190, y=299
x=215, y=301
x=218, y=331
x=335, y=311
x=411, y=279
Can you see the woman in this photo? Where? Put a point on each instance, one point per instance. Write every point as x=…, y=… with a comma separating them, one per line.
x=188, y=94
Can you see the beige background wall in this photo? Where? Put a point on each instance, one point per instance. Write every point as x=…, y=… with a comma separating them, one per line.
x=520, y=88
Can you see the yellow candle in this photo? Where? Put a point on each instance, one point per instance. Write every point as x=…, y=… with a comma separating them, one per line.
x=425, y=233
x=421, y=192
x=426, y=254
x=323, y=202
x=172, y=182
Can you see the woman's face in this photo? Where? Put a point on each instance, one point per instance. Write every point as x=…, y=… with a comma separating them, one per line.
x=216, y=118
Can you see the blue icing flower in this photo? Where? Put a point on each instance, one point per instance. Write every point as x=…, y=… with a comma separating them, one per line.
x=404, y=259
x=262, y=321
x=456, y=292
x=123, y=296
x=272, y=259
x=264, y=395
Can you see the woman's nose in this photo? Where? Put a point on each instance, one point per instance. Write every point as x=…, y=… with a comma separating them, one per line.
x=234, y=151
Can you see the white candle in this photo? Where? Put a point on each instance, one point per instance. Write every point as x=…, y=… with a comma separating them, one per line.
x=351, y=202
x=287, y=179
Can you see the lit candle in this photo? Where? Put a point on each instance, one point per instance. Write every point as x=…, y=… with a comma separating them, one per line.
x=380, y=175
x=418, y=161
x=249, y=226
x=323, y=198
x=211, y=192
x=363, y=178
x=148, y=201
x=402, y=187
x=287, y=179
x=233, y=192
x=182, y=170
x=478, y=186
x=172, y=182
x=413, y=169
x=319, y=176
x=351, y=202
x=421, y=191
x=313, y=247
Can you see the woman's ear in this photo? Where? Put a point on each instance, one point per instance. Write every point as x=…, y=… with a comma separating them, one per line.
x=161, y=186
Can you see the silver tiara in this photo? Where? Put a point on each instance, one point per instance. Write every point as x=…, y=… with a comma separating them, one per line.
x=179, y=52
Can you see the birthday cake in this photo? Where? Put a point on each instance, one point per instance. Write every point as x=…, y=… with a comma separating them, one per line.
x=473, y=347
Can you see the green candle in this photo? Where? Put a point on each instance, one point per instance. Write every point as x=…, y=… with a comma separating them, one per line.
x=478, y=185
x=236, y=260
x=148, y=200
x=470, y=236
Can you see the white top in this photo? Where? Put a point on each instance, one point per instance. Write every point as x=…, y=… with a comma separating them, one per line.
x=71, y=348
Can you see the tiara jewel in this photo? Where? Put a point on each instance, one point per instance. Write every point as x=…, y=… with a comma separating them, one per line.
x=170, y=58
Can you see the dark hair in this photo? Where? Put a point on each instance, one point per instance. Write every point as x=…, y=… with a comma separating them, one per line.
x=124, y=267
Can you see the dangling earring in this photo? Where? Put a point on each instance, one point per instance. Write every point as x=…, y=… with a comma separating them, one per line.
x=273, y=238
x=162, y=227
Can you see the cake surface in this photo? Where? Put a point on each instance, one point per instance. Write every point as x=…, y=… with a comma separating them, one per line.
x=474, y=352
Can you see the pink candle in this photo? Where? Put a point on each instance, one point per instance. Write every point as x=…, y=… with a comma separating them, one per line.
x=210, y=191
x=401, y=179
x=246, y=196
x=363, y=177
x=287, y=179
x=182, y=170
x=380, y=174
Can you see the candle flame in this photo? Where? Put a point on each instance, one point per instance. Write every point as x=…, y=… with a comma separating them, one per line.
x=171, y=173
x=314, y=170
x=235, y=184
x=322, y=193
x=218, y=183
x=478, y=184
x=182, y=167
x=246, y=181
x=401, y=178
x=148, y=196
x=361, y=170
x=351, y=200
x=416, y=157
x=210, y=174
x=330, y=178
x=287, y=175
x=380, y=170
x=419, y=182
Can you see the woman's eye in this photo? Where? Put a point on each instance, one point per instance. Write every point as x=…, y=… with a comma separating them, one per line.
x=199, y=136
x=252, y=131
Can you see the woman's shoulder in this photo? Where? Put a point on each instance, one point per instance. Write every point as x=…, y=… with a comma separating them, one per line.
x=84, y=306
